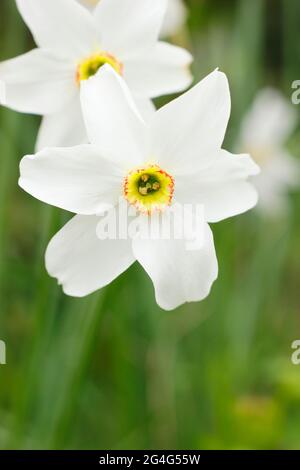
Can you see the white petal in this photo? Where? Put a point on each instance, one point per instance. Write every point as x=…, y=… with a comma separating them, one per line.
x=76, y=179
x=163, y=70
x=269, y=122
x=222, y=188
x=175, y=18
x=226, y=166
x=228, y=199
x=178, y=275
x=187, y=131
x=111, y=118
x=145, y=107
x=63, y=25
x=129, y=27
x=63, y=129
x=81, y=262
x=37, y=82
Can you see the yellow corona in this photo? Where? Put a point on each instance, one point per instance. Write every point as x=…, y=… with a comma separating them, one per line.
x=149, y=188
x=90, y=66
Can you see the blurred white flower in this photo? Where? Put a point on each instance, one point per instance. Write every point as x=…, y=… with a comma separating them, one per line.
x=177, y=154
x=73, y=44
x=264, y=132
x=175, y=16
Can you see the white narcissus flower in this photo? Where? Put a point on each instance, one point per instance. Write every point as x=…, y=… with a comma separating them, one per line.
x=175, y=16
x=264, y=132
x=73, y=44
x=178, y=150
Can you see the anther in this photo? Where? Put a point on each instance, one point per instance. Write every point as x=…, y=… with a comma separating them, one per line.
x=143, y=191
x=144, y=178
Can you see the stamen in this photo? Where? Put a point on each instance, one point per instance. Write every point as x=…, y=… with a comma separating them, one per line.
x=145, y=178
x=143, y=191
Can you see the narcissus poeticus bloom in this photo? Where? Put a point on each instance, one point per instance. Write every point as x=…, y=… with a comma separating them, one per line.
x=174, y=157
x=73, y=44
x=264, y=132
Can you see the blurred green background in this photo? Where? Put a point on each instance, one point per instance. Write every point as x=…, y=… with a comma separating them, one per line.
x=113, y=370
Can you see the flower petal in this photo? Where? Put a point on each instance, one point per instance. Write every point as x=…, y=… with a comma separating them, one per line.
x=63, y=25
x=76, y=179
x=227, y=166
x=129, y=27
x=112, y=119
x=187, y=131
x=37, y=82
x=145, y=107
x=221, y=188
x=63, y=129
x=179, y=275
x=81, y=262
x=163, y=70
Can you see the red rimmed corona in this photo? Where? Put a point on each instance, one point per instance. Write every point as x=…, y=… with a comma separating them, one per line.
x=149, y=188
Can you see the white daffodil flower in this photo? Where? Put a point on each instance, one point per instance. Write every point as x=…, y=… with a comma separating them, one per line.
x=264, y=132
x=73, y=44
x=174, y=20
x=175, y=157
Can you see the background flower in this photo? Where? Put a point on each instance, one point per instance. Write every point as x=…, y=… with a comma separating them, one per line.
x=175, y=18
x=264, y=133
x=47, y=80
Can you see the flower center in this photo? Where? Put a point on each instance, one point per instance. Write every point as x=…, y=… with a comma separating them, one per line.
x=90, y=66
x=149, y=188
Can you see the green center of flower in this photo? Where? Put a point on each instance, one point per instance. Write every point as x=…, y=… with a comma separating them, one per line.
x=149, y=188
x=147, y=184
x=90, y=66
